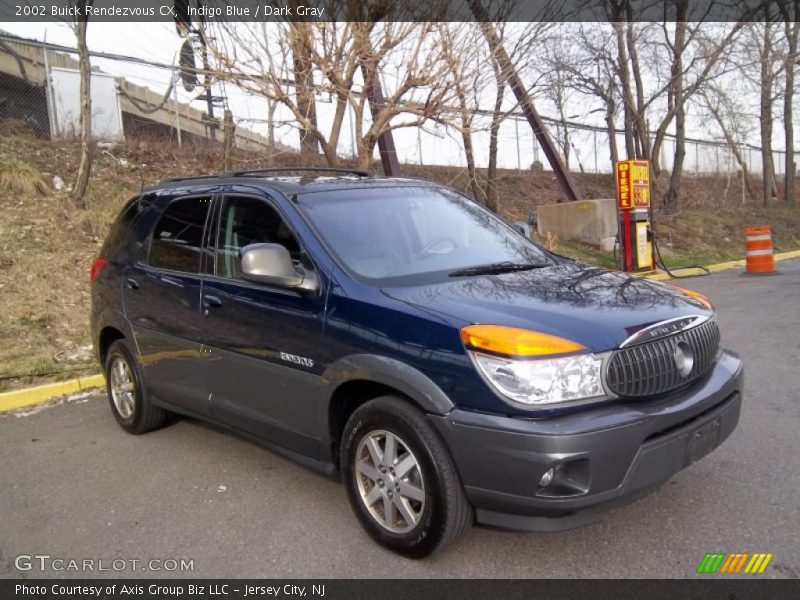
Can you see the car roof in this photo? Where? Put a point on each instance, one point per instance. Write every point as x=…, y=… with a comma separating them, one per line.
x=292, y=181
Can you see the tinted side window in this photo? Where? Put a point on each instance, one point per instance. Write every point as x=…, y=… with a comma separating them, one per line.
x=246, y=221
x=178, y=236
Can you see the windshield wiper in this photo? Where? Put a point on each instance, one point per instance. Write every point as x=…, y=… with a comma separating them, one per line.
x=497, y=268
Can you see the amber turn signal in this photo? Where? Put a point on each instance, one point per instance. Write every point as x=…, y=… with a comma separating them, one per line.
x=696, y=295
x=511, y=341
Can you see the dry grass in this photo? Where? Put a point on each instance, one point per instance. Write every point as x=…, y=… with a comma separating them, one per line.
x=21, y=178
x=15, y=128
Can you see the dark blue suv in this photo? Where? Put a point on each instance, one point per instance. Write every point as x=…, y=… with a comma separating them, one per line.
x=399, y=334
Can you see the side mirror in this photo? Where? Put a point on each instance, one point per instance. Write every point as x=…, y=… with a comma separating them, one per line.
x=523, y=228
x=272, y=264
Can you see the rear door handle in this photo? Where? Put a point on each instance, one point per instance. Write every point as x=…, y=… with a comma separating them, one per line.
x=132, y=283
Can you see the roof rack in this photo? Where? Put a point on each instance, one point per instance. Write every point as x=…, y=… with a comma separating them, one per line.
x=186, y=178
x=246, y=172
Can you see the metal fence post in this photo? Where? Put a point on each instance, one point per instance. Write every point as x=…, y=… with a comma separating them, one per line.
x=696, y=158
x=744, y=184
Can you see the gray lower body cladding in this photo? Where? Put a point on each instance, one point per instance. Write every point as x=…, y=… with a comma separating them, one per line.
x=601, y=457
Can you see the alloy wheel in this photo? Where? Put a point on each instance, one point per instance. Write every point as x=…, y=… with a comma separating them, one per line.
x=123, y=389
x=390, y=481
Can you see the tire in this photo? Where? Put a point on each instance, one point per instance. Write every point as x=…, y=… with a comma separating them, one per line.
x=129, y=400
x=419, y=489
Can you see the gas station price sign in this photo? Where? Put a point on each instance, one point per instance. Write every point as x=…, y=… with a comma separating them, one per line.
x=633, y=184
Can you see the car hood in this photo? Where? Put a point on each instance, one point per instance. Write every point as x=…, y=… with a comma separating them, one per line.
x=594, y=307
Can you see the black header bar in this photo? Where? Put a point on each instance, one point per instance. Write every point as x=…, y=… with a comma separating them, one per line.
x=106, y=11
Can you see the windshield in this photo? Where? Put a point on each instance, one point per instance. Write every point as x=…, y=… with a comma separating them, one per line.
x=398, y=232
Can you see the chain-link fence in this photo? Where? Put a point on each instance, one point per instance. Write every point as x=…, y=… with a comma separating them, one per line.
x=133, y=98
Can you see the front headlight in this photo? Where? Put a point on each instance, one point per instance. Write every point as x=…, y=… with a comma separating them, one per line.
x=539, y=382
x=538, y=370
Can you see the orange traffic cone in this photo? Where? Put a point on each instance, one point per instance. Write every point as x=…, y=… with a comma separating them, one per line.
x=758, y=246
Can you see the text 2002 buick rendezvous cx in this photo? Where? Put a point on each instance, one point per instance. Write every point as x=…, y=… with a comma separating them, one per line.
x=396, y=332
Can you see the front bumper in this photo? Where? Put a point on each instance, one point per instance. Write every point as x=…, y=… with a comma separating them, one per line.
x=603, y=456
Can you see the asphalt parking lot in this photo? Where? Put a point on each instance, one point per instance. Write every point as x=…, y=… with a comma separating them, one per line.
x=73, y=485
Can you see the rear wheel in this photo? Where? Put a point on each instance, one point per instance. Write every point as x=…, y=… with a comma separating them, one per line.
x=127, y=394
x=401, y=480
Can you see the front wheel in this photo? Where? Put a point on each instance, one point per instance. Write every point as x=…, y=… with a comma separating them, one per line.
x=401, y=480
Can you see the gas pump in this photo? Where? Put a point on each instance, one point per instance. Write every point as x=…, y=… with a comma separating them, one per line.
x=633, y=206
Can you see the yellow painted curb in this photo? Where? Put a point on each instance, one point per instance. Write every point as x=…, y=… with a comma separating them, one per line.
x=690, y=271
x=785, y=255
x=42, y=393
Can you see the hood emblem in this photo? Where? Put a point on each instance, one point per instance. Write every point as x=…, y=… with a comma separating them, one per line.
x=684, y=358
x=663, y=329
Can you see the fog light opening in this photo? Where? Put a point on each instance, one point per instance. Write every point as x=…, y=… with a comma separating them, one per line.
x=547, y=478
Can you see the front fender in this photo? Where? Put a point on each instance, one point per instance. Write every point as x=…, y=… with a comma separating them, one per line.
x=391, y=372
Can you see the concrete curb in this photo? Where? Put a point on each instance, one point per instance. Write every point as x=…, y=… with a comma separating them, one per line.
x=717, y=267
x=17, y=399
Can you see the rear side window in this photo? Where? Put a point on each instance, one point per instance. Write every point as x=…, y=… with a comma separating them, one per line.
x=134, y=209
x=121, y=237
x=177, y=240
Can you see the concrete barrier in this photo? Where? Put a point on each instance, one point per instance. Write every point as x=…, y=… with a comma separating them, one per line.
x=590, y=221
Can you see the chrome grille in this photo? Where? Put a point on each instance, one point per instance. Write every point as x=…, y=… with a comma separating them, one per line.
x=650, y=368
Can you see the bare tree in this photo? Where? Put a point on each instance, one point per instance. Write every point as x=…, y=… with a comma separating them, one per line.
x=622, y=68
x=731, y=119
x=790, y=11
x=557, y=88
x=513, y=54
x=646, y=74
x=761, y=42
x=459, y=41
x=589, y=68
x=498, y=116
x=768, y=79
x=696, y=53
x=467, y=56
x=300, y=42
x=348, y=59
x=86, y=143
x=677, y=103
